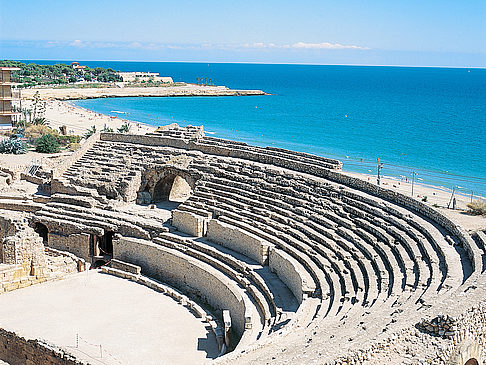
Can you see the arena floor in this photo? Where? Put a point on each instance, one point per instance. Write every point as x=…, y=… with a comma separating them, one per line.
x=116, y=321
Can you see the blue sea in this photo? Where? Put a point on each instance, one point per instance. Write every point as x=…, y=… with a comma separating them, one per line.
x=428, y=120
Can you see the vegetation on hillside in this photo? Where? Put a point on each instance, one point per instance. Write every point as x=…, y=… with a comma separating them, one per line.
x=33, y=74
x=477, y=207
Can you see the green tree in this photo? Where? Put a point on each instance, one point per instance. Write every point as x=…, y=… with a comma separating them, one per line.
x=47, y=144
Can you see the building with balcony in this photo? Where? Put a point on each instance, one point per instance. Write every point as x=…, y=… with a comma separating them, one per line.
x=9, y=98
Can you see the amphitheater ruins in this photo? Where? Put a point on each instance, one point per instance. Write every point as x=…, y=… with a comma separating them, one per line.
x=289, y=260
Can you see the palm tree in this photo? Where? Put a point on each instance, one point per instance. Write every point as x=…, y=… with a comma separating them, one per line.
x=41, y=121
x=90, y=132
x=125, y=128
x=197, y=80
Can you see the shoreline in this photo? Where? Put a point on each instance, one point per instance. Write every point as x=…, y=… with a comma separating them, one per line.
x=56, y=116
x=79, y=119
x=64, y=94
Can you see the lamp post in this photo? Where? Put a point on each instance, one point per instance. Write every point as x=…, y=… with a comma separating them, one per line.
x=380, y=166
x=413, y=180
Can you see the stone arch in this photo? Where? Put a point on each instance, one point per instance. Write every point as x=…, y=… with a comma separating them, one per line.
x=472, y=361
x=43, y=231
x=168, y=184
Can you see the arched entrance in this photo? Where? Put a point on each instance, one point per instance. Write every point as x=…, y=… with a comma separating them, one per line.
x=101, y=247
x=43, y=231
x=166, y=185
x=172, y=188
x=163, y=188
x=471, y=361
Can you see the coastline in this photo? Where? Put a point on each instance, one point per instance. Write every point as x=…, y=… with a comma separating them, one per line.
x=119, y=92
x=78, y=120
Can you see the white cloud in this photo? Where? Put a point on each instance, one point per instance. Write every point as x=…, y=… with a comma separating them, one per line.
x=298, y=45
x=324, y=45
x=77, y=43
x=215, y=46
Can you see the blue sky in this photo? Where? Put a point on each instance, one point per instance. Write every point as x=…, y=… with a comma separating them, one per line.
x=426, y=32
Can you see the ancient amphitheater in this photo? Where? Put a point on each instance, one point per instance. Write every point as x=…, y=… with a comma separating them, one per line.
x=289, y=260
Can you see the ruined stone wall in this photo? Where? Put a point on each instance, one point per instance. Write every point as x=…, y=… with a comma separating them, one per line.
x=20, y=245
x=251, y=153
x=189, y=223
x=16, y=350
x=78, y=244
x=185, y=273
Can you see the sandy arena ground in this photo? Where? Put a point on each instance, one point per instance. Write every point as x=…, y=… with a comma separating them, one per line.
x=132, y=323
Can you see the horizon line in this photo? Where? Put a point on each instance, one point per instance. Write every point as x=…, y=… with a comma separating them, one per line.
x=266, y=63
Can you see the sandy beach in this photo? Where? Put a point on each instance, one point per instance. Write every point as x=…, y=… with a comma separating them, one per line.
x=437, y=196
x=78, y=120
x=163, y=91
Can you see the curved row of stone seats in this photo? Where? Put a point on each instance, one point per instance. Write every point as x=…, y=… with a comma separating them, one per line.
x=305, y=158
x=463, y=238
x=427, y=254
x=404, y=253
x=266, y=289
x=243, y=191
x=339, y=269
x=65, y=216
x=235, y=269
x=432, y=233
x=196, y=278
x=395, y=300
x=20, y=205
x=276, y=304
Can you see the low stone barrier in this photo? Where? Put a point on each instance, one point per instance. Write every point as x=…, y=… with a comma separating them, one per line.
x=238, y=240
x=188, y=274
x=291, y=273
x=17, y=350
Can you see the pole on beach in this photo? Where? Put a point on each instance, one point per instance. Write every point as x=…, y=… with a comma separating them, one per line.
x=452, y=196
x=413, y=180
x=380, y=166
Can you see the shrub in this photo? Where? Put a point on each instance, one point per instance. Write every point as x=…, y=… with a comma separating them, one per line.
x=73, y=146
x=67, y=140
x=37, y=131
x=477, y=207
x=12, y=146
x=424, y=199
x=47, y=144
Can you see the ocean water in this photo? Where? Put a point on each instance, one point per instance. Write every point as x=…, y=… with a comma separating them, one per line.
x=428, y=120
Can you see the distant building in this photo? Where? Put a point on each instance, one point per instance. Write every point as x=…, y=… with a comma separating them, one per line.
x=77, y=66
x=144, y=76
x=8, y=97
